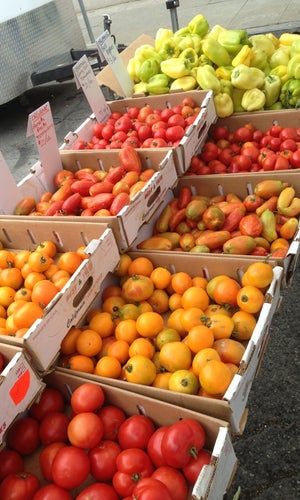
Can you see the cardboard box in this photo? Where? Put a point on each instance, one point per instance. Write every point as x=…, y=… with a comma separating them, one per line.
x=262, y=120
x=19, y=386
x=215, y=478
x=190, y=144
x=43, y=339
x=126, y=224
x=241, y=184
x=232, y=407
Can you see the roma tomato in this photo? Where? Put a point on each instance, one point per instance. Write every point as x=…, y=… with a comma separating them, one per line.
x=130, y=160
x=62, y=176
x=135, y=432
x=52, y=492
x=71, y=466
x=97, y=491
x=50, y=400
x=112, y=417
x=10, y=462
x=87, y=397
x=103, y=460
x=23, y=435
x=19, y=486
x=132, y=465
x=182, y=441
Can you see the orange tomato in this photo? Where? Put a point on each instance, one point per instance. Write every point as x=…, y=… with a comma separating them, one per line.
x=32, y=278
x=161, y=277
x=250, y=299
x=140, y=265
x=43, y=292
x=103, y=323
x=225, y=292
x=259, y=274
x=88, y=342
x=244, y=324
x=184, y=381
x=68, y=344
x=199, y=337
x=215, y=377
x=126, y=330
x=27, y=315
x=11, y=276
x=7, y=295
x=137, y=288
x=69, y=261
x=81, y=363
x=140, y=370
x=142, y=346
x=191, y=317
x=221, y=325
x=175, y=356
x=47, y=246
x=119, y=349
x=7, y=258
x=229, y=350
x=122, y=267
x=181, y=281
x=159, y=301
x=39, y=261
x=195, y=296
x=108, y=366
x=149, y=324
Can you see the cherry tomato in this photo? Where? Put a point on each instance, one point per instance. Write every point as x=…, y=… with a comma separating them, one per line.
x=112, y=417
x=19, y=486
x=23, y=435
x=103, y=460
x=87, y=397
x=10, y=462
x=135, y=432
x=50, y=400
x=52, y=492
x=70, y=467
x=53, y=428
x=97, y=491
x=46, y=458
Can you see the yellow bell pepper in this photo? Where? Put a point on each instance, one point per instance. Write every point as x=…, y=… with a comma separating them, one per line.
x=199, y=25
x=281, y=71
x=253, y=100
x=247, y=78
x=294, y=48
x=288, y=38
x=244, y=56
x=233, y=40
x=259, y=59
x=224, y=72
x=176, y=67
x=169, y=49
x=223, y=104
x=140, y=88
x=158, y=84
x=133, y=67
x=146, y=51
x=191, y=55
x=273, y=39
x=215, y=52
x=272, y=89
x=226, y=86
x=184, y=42
x=237, y=95
x=207, y=79
x=184, y=83
x=262, y=42
x=162, y=35
x=215, y=32
x=293, y=67
x=280, y=56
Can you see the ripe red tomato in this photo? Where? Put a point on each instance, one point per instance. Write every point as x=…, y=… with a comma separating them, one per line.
x=97, y=491
x=176, y=119
x=133, y=465
x=295, y=159
x=281, y=163
x=23, y=435
x=219, y=132
x=150, y=488
x=50, y=400
x=289, y=144
x=19, y=486
x=85, y=430
x=135, y=432
x=62, y=176
x=288, y=133
x=144, y=132
x=103, y=460
x=71, y=466
x=97, y=130
x=133, y=112
x=54, y=427
x=174, y=133
x=52, y=492
x=144, y=112
x=192, y=470
x=174, y=481
x=87, y=397
x=46, y=458
x=166, y=113
x=112, y=417
x=243, y=134
x=154, y=447
x=274, y=130
x=107, y=131
x=152, y=118
x=123, y=124
x=11, y=462
x=181, y=441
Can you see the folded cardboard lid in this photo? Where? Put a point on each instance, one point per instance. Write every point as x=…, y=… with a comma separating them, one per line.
x=106, y=76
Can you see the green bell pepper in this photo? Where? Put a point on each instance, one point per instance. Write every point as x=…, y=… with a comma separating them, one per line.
x=207, y=79
x=233, y=40
x=237, y=95
x=275, y=106
x=199, y=25
x=148, y=68
x=272, y=89
x=293, y=67
x=191, y=55
x=215, y=52
x=253, y=100
x=158, y=84
x=247, y=78
x=176, y=67
x=223, y=104
x=290, y=93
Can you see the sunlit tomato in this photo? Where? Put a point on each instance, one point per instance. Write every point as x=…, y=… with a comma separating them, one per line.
x=87, y=397
x=49, y=401
x=79, y=144
x=135, y=432
x=131, y=141
x=103, y=460
x=19, y=486
x=10, y=462
x=181, y=440
x=46, y=458
x=53, y=428
x=52, y=492
x=23, y=435
x=70, y=467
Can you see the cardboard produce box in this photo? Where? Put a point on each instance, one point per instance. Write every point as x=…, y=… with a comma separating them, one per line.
x=241, y=185
x=193, y=139
x=126, y=224
x=262, y=120
x=19, y=385
x=42, y=341
x=233, y=406
x=214, y=478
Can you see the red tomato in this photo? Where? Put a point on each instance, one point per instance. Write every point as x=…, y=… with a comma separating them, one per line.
x=119, y=136
x=181, y=441
x=288, y=133
x=11, y=462
x=112, y=417
x=192, y=470
x=103, y=460
x=275, y=130
x=85, y=430
x=87, y=397
x=97, y=130
x=132, y=465
x=281, y=163
x=61, y=176
x=295, y=159
x=20, y=486
x=174, y=133
x=130, y=160
x=217, y=167
x=209, y=152
x=46, y=458
x=144, y=112
x=160, y=124
x=135, y=432
x=154, y=447
x=174, y=481
x=226, y=155
x=79, y=144
x=98, y=491
x=132, y=141
x=52, y=492
x=133, y=112
x=252, y=202
x=123, y=124
x=176, y=119
x=107, y=131
x=289, y=144
x=257, y=135
x=219, y=132
x=54, y=428
x=70, y=467
x=275, y=143
x=251, y=152
x=243, y=162
x=144, y=132
x=150, y=488
x=243, y=134
x=152, y=118
x=268, y=163
x=160, y=133
x=158, y=142
x=23, y=435
x=50, y=400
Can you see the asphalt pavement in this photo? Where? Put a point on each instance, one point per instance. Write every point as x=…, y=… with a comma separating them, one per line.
x=268, y=450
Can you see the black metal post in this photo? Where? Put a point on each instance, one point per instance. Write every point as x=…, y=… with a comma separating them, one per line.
x=172, y=6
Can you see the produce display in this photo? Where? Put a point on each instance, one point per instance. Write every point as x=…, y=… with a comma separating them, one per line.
x=247, y=149
x=261, y=223
x=170, y=331
x=246, y=73
x=91, y=448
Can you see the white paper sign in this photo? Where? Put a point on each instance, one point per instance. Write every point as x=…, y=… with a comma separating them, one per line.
x=107, y=48
x=9, y=195
x=85, y=78
x=40, y=124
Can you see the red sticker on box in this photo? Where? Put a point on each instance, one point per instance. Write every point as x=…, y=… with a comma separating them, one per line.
x=20, y=388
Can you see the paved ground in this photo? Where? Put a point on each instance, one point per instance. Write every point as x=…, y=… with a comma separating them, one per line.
x=268, y=450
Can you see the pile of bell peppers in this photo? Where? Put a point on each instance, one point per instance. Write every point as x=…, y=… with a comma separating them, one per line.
x=246, y=73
